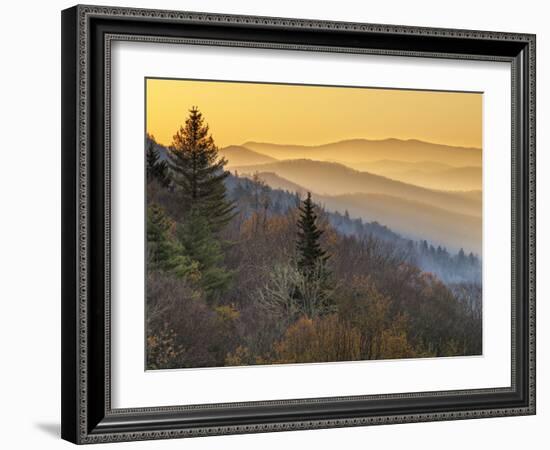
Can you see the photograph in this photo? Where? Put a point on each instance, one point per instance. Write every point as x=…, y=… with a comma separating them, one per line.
x=273, y=222
x=298, y=223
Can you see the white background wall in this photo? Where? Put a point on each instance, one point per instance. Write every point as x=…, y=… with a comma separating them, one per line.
x=30, y=223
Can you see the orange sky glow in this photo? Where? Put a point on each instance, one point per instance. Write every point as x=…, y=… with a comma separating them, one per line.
x=310, y=115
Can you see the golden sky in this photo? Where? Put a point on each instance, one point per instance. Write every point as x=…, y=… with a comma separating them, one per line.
x=312, y=115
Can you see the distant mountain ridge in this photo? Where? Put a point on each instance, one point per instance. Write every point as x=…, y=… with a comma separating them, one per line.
x=334, y=179
x=384, y=166
x=428, y=174
x=365, y=150
x=237, y=155
x=453, y=179
x=275, y=181
x=451, y=219
x=410, y=218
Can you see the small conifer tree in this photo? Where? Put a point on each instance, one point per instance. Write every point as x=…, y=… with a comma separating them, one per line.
x=157, y=169
x=310, y=254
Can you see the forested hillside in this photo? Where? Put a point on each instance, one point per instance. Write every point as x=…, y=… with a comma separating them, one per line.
x=239, y=273
x=453, y=267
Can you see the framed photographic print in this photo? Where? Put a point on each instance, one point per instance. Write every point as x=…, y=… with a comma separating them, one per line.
x=281, y=224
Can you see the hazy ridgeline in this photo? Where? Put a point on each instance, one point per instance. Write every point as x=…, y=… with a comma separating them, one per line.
x=251, y=193
x=244, y=269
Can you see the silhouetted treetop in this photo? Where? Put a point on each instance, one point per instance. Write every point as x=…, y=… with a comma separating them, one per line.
x=198, y=171
x=309, y=248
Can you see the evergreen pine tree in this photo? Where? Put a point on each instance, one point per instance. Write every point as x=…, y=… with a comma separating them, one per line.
x=461, y=258
x=156, y=168
x=310, y=253
x=424, y=246
x=198, y=172
x=163, y=251
x=202, y=246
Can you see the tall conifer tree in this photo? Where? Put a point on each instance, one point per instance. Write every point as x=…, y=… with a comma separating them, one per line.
x=310, y=253
x=201, y=246
x=198, y=172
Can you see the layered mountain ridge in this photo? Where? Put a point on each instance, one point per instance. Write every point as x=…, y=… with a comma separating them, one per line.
x=418, y=189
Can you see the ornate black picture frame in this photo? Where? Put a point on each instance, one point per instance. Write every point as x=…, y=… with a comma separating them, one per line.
x=87, y=34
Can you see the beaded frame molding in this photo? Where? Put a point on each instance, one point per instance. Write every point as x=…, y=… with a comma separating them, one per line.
x=87, y=35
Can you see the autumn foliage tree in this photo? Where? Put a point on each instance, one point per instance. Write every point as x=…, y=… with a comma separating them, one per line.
x=317, y=340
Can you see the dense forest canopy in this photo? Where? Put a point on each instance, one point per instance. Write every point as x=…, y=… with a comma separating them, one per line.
x=240, y=273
